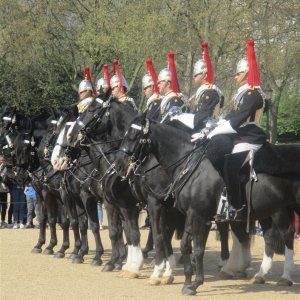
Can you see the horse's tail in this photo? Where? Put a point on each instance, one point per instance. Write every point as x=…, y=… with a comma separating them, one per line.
x=176, y=220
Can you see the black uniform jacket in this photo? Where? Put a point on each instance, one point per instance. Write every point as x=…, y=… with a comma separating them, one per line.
x=205, y=107
x=244, y=118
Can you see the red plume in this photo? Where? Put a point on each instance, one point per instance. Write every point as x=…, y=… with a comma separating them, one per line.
x=87, y=76
x=106, y=74
x=118, y=73
x=152, y=73
x=210, y=71
x=253, y=73
x=174, y=81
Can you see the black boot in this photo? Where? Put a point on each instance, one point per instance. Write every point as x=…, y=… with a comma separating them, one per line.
x=232, y=166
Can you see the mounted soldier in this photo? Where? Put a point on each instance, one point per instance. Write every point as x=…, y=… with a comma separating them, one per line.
x=103, y=84
x=169, y=88
x=151, y=92
x=208, y=99
x=244, y=122
x=86, y=91
x=119, y=87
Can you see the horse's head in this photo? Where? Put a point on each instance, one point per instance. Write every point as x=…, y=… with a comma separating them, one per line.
x=25, y=154
x=135, y=146
x=92, y=121
x=62, y=153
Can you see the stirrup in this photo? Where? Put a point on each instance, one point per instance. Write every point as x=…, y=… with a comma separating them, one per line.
x=223, y=203
x=236, y=214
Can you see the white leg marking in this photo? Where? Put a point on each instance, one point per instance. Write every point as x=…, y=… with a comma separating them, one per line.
x=137, y=259
x=222, y=262
x=265, y=267
x=127, y=264
x=288, y=264
x=158, y=269
x=170, y=265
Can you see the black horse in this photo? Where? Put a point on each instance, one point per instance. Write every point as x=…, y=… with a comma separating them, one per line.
x=150, y=183
x=82, y=179
x=199, y=195
x=26, y=134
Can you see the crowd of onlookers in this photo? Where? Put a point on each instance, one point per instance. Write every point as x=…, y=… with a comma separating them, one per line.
x=23, y=206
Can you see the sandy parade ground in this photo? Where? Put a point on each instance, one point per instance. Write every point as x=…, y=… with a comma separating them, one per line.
x=25, y=275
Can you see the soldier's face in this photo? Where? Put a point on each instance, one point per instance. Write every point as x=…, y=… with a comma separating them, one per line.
x=148, y=91
x=240, y=78
x=85, y=94
x=116, y=92
x=199, y=79
x=164, y=87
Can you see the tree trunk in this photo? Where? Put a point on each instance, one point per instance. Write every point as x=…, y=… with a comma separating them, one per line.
x=273, y=121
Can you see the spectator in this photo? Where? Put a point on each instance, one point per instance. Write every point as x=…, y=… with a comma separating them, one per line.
x=31, y=204
x=19, y=202
x=3, y=195
x=297, y=227
x=100, y=214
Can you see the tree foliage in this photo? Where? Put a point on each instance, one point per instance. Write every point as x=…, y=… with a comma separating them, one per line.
x=45, y=45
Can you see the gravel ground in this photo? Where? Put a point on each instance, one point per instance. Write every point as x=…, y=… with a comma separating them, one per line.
x=36, y=276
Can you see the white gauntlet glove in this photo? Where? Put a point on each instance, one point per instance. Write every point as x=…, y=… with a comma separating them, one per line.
x=224, y=128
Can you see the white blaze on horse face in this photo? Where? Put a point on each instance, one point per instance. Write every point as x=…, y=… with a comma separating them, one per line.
x=56, y=158
x=70, y=130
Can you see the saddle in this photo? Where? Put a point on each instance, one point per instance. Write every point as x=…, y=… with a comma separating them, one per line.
x=275, y=160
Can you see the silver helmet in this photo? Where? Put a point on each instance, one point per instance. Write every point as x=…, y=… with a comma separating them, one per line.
x=164, y=75
x=85, y=85
x=242, y=66
x=147, y=81
x=101, y=83
x=200, y=67
x=114, y=81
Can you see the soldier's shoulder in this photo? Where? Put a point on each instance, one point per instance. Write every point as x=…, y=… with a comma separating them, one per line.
x=209, y=94
x=252, y=93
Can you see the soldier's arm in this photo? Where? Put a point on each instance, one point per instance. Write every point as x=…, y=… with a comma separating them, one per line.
x=206, y=108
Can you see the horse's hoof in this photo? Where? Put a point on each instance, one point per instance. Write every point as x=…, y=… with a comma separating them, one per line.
x=48, y=251
x=224, y=275
x=108, y=268
x=96, y=262
x=259, y=280
x=36, y=250
x=130, y=275
x=59, y=255
x=188, y=291
x=77, y=260
x=122, y=274
x=118, y=266
x=284, y=282
x=72, y=256
x=154, y=281
x=167, y=279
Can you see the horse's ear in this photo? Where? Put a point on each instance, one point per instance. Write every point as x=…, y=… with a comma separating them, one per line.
x=55, y=112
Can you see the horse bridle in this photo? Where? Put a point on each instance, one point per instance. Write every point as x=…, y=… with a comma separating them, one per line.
x=135, y=155
x=96, y=119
